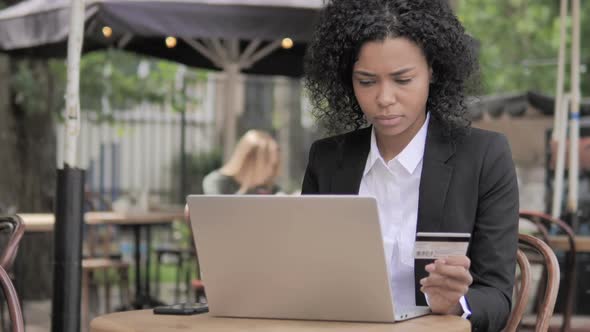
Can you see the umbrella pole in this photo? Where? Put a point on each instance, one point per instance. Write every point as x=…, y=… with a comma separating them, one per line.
x=229, y=57
x=65, y=309
x=560, y=69
x=180, y=87
x=232, y=71
x=560, y=121
x=560, y=157
x=69, y=197
x=575, y=116
x=183, y=155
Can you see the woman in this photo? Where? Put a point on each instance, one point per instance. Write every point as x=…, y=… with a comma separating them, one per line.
x=394, y=72
x=252, y=168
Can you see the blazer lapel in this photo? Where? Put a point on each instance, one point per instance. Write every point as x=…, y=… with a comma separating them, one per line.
x=434, y=184
x=354, y=149
x=435, y=179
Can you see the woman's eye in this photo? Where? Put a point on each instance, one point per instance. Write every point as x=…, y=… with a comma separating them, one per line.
x=403, y=82
x=366, y=82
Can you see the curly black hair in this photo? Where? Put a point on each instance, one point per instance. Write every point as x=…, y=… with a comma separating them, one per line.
x=345, y=25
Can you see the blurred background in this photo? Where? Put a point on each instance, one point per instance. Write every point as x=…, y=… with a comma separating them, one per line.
x=134, y=109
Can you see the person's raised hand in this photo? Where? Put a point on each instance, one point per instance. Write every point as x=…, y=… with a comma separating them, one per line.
x=448, y=280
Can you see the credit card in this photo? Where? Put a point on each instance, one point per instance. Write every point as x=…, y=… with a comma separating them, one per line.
x=440, y=245
x=432, y=246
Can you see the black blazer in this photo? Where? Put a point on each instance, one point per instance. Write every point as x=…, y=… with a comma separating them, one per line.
x=468, y=184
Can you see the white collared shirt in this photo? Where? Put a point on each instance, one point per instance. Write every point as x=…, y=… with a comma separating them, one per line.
x=395, y=185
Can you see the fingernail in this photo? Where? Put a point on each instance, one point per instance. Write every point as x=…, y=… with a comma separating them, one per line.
x=430, y=267
x=422, y=281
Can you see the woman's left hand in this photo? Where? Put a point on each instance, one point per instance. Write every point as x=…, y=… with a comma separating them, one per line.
x=448, y=280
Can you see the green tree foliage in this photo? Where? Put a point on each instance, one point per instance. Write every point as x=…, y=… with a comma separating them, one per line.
x=109, y=81
x=114, y=74
x=38, y=85
x=519, y=42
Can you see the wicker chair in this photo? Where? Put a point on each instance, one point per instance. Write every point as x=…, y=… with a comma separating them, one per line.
x=183, y=257
x=535, y=246
x=543, y=223
x=522, y=292
x=16, y=228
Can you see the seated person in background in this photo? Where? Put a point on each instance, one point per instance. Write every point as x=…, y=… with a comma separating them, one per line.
x=252, y=168
x=394, y=72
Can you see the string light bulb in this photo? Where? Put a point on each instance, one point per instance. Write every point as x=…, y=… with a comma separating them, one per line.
x=107, y=32
x=287, y=43
x=170, y=42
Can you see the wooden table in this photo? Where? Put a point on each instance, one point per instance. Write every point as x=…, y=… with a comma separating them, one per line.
x=38, y=222
x=137, y=221
x=560, y=242
x=132, y=218
x=33, y=265
x=43, y=222
x=146, y=321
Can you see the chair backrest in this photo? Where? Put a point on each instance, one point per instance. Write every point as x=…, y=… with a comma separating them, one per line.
x=14, y=309
x=543, y=223
x=545, y=311
x=15, y=226
x=522, y=289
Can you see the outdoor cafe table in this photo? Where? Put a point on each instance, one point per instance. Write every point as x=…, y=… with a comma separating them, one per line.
x=34, y=263
x=138, y=221
x=560, y=242
x=44, y=222
x=38, y=222
x=146, y=321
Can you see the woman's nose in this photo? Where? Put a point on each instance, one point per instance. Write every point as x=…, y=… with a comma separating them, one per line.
x=386, y=95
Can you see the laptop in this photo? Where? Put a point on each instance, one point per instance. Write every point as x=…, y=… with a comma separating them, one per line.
x=294, y=257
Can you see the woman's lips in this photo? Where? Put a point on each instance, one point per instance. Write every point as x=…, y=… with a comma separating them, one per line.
x=389, y=120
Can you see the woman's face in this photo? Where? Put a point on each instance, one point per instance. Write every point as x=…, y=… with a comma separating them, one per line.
x=390, y=81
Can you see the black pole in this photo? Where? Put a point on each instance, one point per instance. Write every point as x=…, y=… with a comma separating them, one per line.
x=65, y=314
x=182, y=154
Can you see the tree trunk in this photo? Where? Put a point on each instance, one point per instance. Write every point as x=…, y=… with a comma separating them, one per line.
x=9, y=183
x=27, y=176
x=27, y=146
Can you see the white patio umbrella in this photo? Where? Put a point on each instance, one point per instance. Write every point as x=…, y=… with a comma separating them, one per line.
x=563, y=102
x=250, y=36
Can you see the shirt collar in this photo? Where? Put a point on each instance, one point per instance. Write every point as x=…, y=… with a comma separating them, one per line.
x=409, y=157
